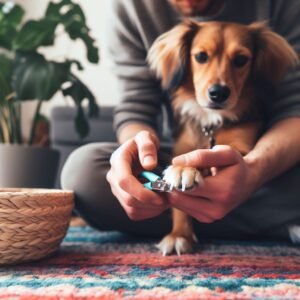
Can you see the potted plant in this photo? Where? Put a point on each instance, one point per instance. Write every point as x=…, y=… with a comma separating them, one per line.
x=26, y=74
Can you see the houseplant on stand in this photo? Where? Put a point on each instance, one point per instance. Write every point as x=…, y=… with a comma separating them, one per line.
x=25, y=74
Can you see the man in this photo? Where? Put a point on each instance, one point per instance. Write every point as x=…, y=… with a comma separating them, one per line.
x=251, y=197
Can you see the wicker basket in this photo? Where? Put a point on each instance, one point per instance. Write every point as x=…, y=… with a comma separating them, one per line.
x=33, y=223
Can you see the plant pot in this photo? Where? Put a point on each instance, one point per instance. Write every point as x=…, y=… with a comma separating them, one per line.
x=24, y=166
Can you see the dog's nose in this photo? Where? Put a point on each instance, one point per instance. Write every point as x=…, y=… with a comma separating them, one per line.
x=218, y=93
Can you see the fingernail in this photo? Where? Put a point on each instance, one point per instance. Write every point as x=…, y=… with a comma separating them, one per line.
x=219, y=147
x=216, y=147
x=148, y=160
x=178, y=160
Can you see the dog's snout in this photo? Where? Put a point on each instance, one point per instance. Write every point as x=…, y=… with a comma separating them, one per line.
x=218, y=93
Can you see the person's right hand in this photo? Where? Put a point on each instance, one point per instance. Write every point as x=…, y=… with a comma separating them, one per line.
x=127, y=162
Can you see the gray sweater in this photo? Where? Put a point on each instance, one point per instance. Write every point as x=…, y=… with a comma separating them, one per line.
x=133, y=25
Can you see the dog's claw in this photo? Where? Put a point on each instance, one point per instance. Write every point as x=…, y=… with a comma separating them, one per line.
x=183, y=245
x=178, y=244
x=165, y=246
x=183, y=187
x=195, y=239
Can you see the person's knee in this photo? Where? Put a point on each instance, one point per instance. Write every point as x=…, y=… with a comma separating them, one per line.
x=85, y=174
x=83, y=163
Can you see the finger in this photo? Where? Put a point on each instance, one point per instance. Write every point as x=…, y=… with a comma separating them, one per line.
x=223, y=188
x=134, y=210
x=147, y=149
x=198, y=215
x=143, y=215
x=219, y=156
x=124, y=154
x=132, y=186
x=121, y=174
x=201, y=207
x=130, y=201
x=212, y=189
x=126, y=200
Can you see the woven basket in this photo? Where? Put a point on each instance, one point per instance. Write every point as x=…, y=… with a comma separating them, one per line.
x=33, y=223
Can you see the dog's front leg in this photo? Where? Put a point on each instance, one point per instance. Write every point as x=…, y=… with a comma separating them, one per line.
x=182, y=237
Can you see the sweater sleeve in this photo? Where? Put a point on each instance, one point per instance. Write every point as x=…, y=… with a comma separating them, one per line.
x=285, y=20
x=138, y=92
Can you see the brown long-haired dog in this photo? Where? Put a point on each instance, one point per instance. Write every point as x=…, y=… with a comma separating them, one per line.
x=215, y=73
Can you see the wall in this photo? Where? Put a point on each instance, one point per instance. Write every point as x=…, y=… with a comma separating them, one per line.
x=97, y=77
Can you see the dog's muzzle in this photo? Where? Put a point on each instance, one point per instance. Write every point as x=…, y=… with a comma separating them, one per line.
x=218, y=94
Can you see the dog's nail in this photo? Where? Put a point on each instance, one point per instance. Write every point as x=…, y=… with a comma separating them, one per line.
x=178, y=251
x=195, y=239
x=199, y=179
x=183, y=187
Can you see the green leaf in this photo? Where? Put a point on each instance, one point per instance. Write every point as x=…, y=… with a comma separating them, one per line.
x=5, y=77
x=72, y=17
x=6, y=66
x=35, y=34
x=10, y=18
x=36, y=78
x=11, y=13
x=77, y=31
x=81, y=124
x=77, y=63
x=65, y=12
x=78, y=91
x=53, y=9
x=7, y=35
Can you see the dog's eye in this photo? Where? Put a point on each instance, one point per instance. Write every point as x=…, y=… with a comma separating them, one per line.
x=201, y=57
x=240, y=61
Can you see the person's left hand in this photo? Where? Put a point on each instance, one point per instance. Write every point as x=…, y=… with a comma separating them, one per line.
x=232, y=183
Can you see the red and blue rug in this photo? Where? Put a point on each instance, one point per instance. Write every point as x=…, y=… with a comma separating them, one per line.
x=102, y=265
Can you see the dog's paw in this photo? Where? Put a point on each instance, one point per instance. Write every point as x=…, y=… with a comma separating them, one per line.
x=174, y=243
x=182, y=178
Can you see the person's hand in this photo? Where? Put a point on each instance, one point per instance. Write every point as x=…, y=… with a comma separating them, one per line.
x=232, y=183
x=134, y=155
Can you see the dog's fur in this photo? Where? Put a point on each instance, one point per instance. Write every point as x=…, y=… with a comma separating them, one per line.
x=247, y=60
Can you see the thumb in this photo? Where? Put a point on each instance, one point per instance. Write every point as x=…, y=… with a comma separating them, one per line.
x=218, y=156
x=147, y=145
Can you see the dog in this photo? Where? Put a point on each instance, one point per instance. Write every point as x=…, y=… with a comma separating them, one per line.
x=217, y=74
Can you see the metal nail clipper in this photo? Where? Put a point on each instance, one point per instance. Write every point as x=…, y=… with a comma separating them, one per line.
x=155, y=182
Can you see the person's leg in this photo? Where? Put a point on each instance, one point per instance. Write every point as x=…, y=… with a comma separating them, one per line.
x=266, y=215
x=85, y=173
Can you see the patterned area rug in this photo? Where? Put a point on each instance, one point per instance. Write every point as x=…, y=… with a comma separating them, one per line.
x=94, y=265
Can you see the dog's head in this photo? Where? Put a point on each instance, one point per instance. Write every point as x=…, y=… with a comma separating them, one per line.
x=219, y=59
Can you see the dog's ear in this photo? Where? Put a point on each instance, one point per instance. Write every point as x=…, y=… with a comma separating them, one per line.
x=273, y=55
x=169, y=54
